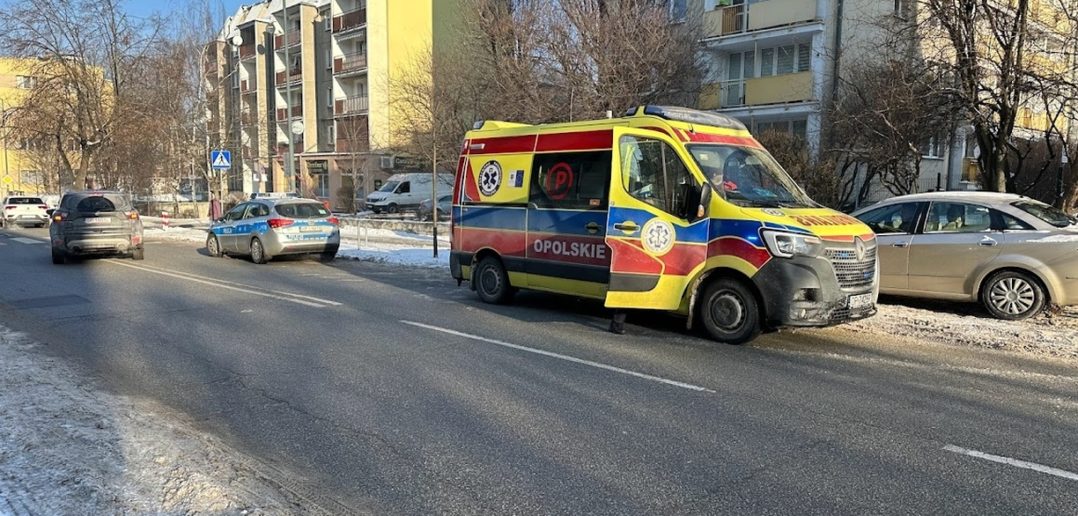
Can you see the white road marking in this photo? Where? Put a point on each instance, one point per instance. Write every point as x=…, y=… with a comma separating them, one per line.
x=291, y=298
x=559, y=356
x=1040, y=468
x=24, y=240
x=241, y=285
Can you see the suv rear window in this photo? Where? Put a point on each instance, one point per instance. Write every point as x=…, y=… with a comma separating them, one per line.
x=25, y=200
x=302, y=210
x=95, y=203
x=1047, y=213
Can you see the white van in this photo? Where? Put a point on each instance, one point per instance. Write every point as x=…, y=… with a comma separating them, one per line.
x=406, y=191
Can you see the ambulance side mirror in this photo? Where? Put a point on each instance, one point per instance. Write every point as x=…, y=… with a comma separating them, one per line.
x=705, y=201
x=695, y=199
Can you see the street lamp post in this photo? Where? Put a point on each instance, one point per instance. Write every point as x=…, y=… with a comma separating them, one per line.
x=1059, y=178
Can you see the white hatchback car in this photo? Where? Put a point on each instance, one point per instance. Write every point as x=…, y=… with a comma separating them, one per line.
x=22, y=210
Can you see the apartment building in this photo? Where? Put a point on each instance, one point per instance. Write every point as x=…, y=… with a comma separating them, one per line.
x=321, y=72
x=770, y=64
x=21, y=172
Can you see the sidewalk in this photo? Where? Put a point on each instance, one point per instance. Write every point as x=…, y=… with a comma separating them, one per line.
x=67, y=447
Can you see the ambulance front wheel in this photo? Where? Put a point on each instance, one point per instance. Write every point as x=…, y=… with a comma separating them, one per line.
x=730, y=312
x=492, y=282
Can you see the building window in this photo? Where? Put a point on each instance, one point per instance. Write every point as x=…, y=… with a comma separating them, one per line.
x=321, y=184
x=24, y=82
x=797, y=128
x=785, y=59
x=933, y=148
x=576, y=180
x=678, y=9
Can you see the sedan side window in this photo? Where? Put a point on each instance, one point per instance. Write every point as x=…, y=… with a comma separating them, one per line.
x=953, y=217
x=894, y=219
x=235, y=213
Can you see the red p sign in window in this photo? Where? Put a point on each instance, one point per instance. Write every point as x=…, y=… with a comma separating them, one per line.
x=559, y=181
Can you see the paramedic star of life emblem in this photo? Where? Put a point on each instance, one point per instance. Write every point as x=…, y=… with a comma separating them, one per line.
x=490, y=178
x=657, y=236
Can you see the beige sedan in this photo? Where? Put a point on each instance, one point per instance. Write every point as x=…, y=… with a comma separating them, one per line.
x=1013, y=254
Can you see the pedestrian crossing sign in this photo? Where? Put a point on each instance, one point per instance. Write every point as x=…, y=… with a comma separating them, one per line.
x=221, y=159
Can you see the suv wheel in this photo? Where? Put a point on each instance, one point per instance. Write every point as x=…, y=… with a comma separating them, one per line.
x=492, y=282
x=730, y=312
x=57, y=257
x=1012, y=296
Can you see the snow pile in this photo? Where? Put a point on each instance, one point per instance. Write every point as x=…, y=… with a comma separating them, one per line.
x=174, y=234
x=1050, y=334
x=67, y=448
x=409, y=256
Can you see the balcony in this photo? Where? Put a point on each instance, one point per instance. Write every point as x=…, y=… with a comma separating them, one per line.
x=247, y=51
x=778, y=89
x=350, y=62
x=351, y=106
x=297, y=111
x=292, y=76
x=737, y=19
x=282, y=148
x=291, y=38
x=350, y=20
x=245, y=88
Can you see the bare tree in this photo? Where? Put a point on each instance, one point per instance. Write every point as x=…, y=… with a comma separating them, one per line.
x=87, y=51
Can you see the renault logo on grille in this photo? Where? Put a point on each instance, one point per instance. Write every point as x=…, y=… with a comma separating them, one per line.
x=859, y=248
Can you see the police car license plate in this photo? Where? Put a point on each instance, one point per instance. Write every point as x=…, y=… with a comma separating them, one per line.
x=859, y=301
x=310, y=229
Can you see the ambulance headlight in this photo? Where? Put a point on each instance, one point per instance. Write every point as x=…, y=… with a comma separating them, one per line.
x=788, y=245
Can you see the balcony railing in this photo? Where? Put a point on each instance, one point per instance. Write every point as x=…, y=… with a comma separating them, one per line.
x=347, y=21
x=291, y=76
x=247, y=51
x=290, y=38
x=351, y=105
x=735, y=19
x=282, y=148
x=777, y=89
x=350, y=62
x=297, y=111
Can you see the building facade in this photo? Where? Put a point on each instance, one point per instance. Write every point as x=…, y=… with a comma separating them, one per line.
x=322, y=73
x=22, y=162
x=770, y=63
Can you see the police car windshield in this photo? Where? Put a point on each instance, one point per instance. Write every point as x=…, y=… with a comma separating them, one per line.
x=749, y=177
x=389, y=186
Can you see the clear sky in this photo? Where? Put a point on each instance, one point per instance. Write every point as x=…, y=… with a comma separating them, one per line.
x=171, y=7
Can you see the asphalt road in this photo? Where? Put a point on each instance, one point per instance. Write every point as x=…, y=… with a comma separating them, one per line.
x=392, y=391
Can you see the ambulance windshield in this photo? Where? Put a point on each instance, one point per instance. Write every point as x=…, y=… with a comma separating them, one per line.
x=749, y=177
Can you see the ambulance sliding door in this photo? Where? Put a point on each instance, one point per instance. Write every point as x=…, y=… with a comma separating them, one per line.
x=656, y=240
x=567, y=204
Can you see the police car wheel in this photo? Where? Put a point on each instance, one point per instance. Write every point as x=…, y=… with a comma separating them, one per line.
x=328, y=255
x=730, y=312
x=213, y=246
x=492, y=282
x=258, y=253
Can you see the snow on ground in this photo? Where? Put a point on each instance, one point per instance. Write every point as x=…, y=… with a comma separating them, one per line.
x=67, y=447
x=1054, y=333
x=174, y=233
x=396, y=255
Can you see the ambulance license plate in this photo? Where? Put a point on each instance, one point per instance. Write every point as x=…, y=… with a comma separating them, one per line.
x=859, y=301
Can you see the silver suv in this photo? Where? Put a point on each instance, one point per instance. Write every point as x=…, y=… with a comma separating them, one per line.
x=95, y=223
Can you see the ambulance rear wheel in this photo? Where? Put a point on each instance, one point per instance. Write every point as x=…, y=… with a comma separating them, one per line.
x=492, y=282
x=730, y=312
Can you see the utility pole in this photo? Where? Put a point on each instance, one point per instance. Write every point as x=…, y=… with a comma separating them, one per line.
x=290, y=168
x=434, y=182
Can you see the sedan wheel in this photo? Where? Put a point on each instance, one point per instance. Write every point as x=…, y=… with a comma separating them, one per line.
x=1012, y=296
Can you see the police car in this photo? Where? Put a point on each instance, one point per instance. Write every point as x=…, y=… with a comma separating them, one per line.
x=267, y=228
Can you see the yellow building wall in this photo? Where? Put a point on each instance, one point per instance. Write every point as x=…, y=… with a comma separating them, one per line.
x=14, y=161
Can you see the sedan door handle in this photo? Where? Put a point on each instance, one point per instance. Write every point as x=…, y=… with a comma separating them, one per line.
x=988, y=242
x=900, y=244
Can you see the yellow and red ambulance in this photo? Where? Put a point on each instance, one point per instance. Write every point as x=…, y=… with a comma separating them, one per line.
x=666, y=208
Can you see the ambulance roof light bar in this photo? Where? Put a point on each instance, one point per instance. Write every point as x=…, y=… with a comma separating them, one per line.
x=692, y=116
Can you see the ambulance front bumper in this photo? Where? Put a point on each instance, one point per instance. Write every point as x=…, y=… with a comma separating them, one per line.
x=804, y=291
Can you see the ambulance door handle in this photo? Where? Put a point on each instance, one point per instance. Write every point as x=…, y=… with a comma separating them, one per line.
x=592, y=227
x=627, y=227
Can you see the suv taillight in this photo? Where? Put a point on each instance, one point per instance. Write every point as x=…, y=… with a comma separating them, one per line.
x=280, y=223
x=42, y=206
x=132, y=215
x=9, y=207
x=57, y=216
